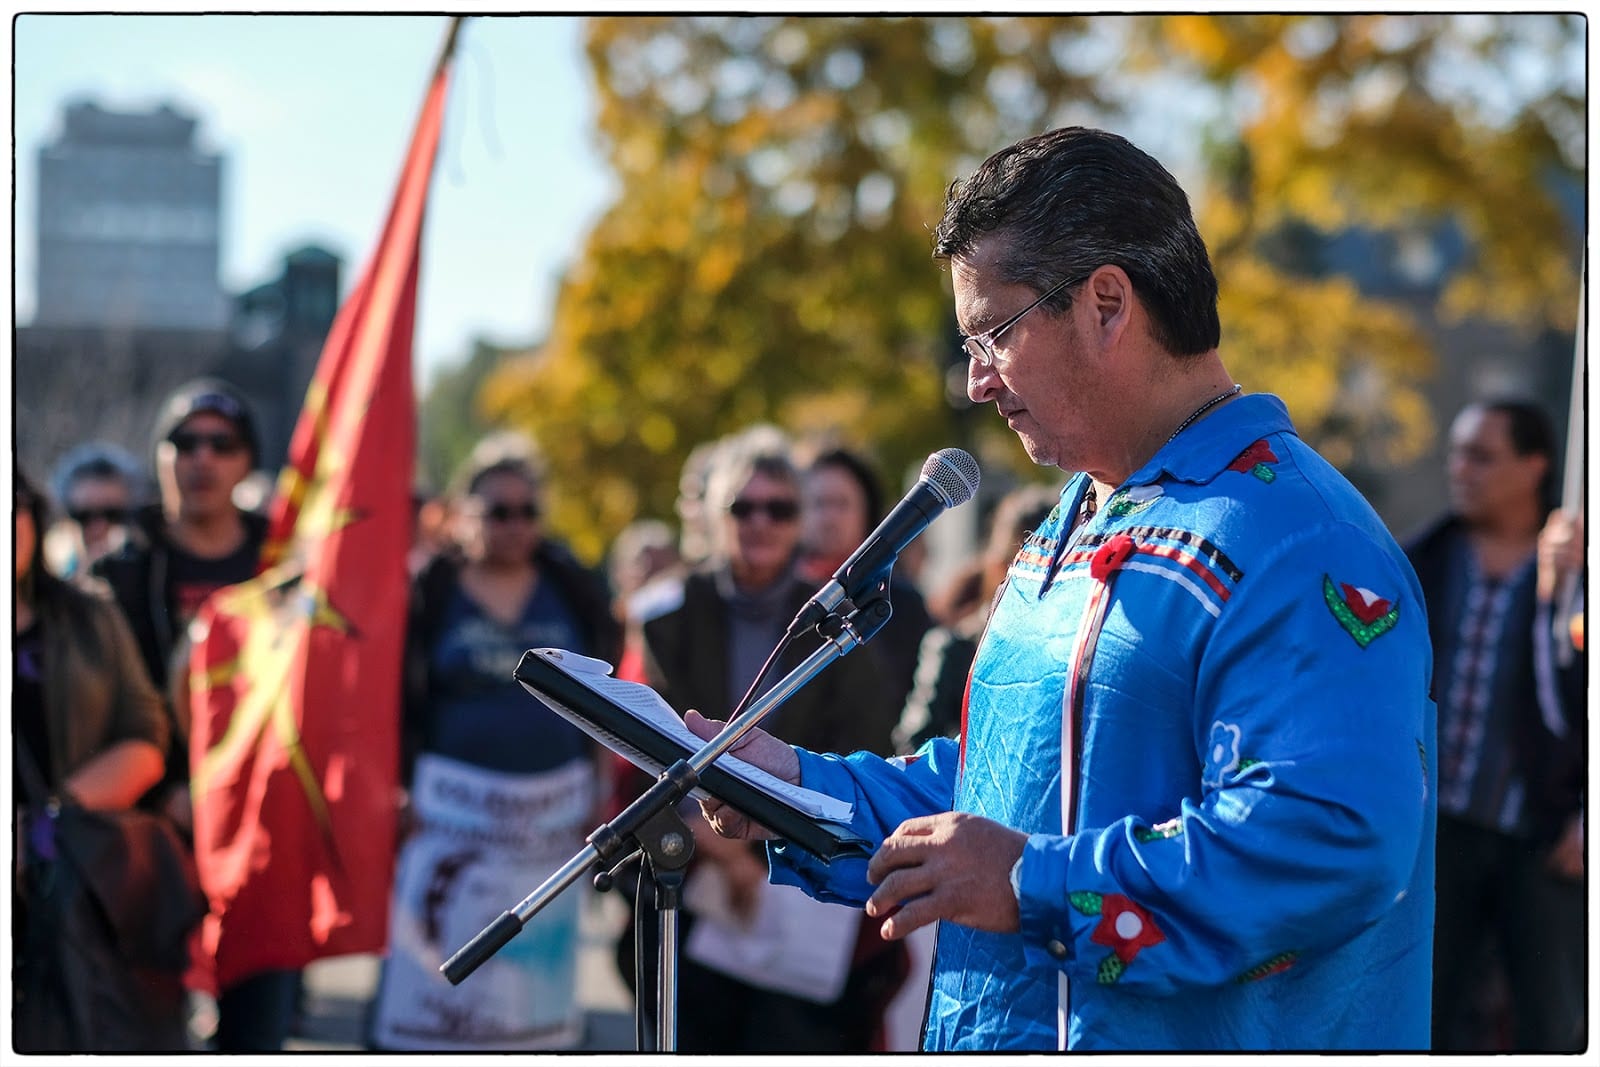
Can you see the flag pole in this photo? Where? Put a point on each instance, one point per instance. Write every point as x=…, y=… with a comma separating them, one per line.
x=447, y=50
x=293, y=740
x=1573, y=472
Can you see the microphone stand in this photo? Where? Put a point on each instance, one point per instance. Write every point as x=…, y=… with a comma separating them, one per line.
x=652, y=827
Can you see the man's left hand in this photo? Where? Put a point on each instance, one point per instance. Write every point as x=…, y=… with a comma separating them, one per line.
x=949, y=866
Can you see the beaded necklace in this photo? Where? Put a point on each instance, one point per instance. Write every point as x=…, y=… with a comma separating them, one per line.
x=1202, y=409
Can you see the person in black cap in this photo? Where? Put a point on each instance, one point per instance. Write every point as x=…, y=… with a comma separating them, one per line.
x=195, y=541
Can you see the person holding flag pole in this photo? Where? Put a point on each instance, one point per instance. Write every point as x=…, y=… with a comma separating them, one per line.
x=294, y=676
x=1558, y=638
x=1511, y=729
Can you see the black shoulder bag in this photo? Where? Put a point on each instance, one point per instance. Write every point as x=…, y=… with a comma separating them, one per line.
x=110, y=899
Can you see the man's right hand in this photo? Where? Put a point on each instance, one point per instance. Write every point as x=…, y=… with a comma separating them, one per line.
x=758, y=748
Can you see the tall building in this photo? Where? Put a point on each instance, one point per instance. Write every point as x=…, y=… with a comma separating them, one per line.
x=129, y=298
x=129, y=223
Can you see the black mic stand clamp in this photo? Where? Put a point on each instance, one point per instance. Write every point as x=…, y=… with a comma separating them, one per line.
x=861, y=616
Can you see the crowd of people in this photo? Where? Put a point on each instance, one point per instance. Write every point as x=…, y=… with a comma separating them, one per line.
x=1160, y=828
x=692, y=608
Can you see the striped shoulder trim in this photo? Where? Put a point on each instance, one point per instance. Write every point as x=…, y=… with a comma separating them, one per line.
x=1178, y=556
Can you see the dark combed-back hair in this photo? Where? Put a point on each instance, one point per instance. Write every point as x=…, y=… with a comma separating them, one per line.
x=1532, y=434
x=1069, y=201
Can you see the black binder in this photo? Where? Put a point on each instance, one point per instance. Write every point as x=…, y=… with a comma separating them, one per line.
x=642, y=743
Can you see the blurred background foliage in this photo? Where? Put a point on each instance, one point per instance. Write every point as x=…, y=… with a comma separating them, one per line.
x=768, y=257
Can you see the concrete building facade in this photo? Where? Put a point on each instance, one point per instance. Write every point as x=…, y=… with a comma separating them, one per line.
x=129, y=298
x=129, y=228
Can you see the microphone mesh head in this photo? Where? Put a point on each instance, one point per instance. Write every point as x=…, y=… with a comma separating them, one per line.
x=953, y=475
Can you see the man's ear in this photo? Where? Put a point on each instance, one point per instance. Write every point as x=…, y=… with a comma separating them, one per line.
x=1108, y=299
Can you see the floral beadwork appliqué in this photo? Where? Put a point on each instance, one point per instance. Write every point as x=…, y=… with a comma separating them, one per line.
x=1222, y=754
x=1255, y=459
x=1124, y=928
x=1161, y=831
x=1125, y=502
x=1363, y=614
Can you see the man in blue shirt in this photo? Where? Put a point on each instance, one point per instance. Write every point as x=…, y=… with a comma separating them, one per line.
x=1192, y=803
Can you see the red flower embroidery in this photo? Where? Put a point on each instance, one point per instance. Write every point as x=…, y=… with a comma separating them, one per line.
x=1368, y=611
x=1125, y=928
x=1111, y=555
x=1260, y=452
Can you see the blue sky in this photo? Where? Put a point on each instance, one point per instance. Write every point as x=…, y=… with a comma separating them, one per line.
x=313, y=114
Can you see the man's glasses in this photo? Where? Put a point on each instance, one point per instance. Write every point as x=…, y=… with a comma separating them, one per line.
x=187, y=442
x=84, y=516
x=981, y=347
x=506, y=512
x=777, y=510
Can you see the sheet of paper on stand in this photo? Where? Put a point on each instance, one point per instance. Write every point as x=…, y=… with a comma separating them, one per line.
x=648, y=706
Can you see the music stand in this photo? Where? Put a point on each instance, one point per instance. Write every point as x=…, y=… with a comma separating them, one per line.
x=651, y=824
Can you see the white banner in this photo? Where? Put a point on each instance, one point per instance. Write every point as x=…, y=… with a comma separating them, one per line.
x=485, y=840
x=789, y=943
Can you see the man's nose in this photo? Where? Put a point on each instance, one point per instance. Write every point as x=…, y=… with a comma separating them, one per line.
x=982, y=382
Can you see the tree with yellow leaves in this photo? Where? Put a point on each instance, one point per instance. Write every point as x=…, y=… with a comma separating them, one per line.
x=768, y=256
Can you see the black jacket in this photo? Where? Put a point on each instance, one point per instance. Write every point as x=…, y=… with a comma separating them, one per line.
x=1552, y=767
x=137, y=574
x=848, y=707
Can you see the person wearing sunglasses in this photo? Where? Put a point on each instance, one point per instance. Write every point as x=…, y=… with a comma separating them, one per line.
x=192, y=542
x=1192, y=804
x=705, y=651
x=99, y=486
x=499, y=790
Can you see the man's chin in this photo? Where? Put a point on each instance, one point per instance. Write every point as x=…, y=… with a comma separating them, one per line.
x=1037, y=452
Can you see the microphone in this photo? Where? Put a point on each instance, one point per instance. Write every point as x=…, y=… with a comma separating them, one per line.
x=949, y=478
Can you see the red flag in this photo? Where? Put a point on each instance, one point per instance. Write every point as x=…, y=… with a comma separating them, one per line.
x=294, y=679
